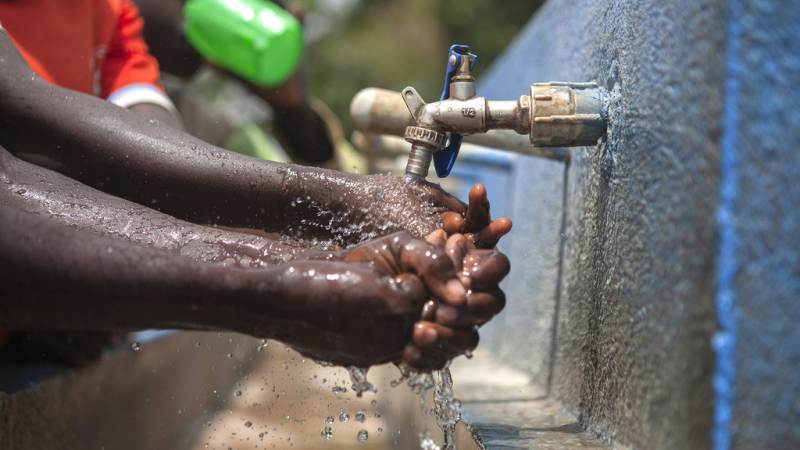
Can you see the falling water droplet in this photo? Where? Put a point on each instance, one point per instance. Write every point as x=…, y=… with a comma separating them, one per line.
x=363, y=436
x=329, y=420
x=426, y=443
x=327, y=433
x=135, y=346
x=344, y=417
x=361, y=416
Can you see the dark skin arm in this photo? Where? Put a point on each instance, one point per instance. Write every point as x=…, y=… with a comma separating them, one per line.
x=151, y=111
x=143, y=160
x=343, y=313
x=76, y=258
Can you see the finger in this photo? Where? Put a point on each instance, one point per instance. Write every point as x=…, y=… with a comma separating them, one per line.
x=485, y=268
x=456, y=249
x=416, y=359
x=477, y=216
x=435, y=269
x=429, y=310
x=482, y=306
x=435, y=195
x=439, y=340
x=452, y=222
x=437, y=238
x=490, y=234
x=450, y=315
x=447, y=315
x=411, y=288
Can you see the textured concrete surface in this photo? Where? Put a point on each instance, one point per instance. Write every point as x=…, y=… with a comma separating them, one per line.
x=683, y=220
x=522, y=335
x=506, y=411
x=635, y=308
x=762, y=141
x=637, y=315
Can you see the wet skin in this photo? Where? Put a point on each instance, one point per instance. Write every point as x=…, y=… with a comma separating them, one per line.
x=126, y=155
x=76, y=258
x=73, y=257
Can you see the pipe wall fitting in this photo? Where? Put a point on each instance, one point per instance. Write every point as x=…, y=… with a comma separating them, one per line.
x=554, y=114
x=566, y=114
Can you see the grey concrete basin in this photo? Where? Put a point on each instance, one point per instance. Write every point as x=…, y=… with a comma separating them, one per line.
x=216, y=391
x=194, y=390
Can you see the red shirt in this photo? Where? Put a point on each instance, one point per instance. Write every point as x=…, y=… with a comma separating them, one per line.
x=92, y=46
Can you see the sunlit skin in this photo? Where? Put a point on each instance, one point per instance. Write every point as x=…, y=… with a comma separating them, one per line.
x=79, y=251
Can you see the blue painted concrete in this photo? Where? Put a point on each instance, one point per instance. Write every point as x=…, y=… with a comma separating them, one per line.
x=725, y=337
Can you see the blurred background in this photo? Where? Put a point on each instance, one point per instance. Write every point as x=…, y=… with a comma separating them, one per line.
x=353, y=44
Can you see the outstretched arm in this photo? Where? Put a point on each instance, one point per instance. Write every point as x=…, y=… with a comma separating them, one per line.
x=145, y=161
x=72, y=257
x=348, y=312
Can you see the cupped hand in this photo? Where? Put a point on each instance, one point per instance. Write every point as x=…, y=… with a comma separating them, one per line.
x=360, y=310
x=447, y=330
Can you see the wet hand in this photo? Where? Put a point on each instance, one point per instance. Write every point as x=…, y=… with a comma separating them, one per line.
x=386, y=203
x=475, y=220
x=362, y=307
x=448, y=330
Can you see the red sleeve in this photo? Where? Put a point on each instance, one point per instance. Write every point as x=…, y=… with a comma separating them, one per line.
x=128, y=61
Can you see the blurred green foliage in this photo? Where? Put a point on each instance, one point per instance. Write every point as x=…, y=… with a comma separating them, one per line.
x=398, y=43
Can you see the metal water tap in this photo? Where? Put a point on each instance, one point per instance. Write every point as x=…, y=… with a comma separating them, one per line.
x=554, y=114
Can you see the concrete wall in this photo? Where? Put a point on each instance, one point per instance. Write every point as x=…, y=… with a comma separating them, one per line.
x=631, y=281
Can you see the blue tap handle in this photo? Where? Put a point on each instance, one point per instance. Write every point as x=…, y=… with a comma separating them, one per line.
x=444, y=159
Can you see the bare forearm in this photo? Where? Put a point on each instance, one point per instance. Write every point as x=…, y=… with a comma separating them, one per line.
x=65, y=201
x=59, y=278
x=145, y=161
x=157, y=112
x=123, y=154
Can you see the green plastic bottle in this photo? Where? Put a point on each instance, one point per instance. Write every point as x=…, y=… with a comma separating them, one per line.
x=255, y=39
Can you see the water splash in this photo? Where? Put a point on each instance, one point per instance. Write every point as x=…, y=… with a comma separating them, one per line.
x=427, y=443
x=340, y=218
x=361, y=416
x=446, y=408
x=360, y=385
